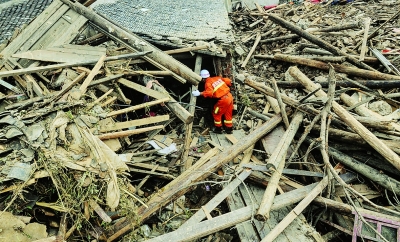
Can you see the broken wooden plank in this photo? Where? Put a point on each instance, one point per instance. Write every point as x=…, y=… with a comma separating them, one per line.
x=91, y=75
x=64, y=53
x=374, y=75
x=128, y=132
x=64, y=65
x=367, y=22
x=192, y=108
x=136, y=122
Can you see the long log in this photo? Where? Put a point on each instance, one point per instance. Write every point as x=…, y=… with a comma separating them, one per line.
x=183, y=183
x=285, y=37
x=369, y=137
x=318, y=41
x=374, y=75
x=277, y=161
x=136, y=42
x=339, y=27
x=315, y=51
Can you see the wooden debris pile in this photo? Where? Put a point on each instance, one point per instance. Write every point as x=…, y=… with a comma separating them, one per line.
x=96, y=146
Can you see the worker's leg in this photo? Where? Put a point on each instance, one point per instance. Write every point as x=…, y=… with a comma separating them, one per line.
x=228, y=109
x=217, y=116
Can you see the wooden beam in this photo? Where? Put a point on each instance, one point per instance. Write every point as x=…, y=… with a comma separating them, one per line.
x=140, y=88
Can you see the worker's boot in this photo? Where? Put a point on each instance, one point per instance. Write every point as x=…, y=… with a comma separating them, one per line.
x=228, y=130
x=218, y=130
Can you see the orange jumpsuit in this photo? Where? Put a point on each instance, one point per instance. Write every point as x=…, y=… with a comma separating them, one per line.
x=218, y=87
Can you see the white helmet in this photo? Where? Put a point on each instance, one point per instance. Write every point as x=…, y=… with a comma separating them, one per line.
x=204, y=73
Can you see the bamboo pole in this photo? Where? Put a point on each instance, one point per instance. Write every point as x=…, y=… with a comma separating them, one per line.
x=376, y=143
x=277, y=163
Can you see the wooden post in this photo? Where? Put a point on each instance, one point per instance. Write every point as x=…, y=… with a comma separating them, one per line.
x=318, y=41
x=258, y=38
x=182, y=183
x=136, y=42
x=281, y=105
x=277, y=162
x=192, y=108
x=364, y=42
x=376, y=143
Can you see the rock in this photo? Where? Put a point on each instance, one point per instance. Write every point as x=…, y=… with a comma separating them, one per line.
x=321, y=79
x=239, y=50
x=240, y=77
x=381, y=107
x=36, y=231
x=288, y=77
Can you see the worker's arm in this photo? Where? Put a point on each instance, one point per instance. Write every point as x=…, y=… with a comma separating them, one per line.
x=227, y=81
x=208, y=90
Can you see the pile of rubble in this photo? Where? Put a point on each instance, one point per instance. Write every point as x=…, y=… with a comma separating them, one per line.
x=101, y=139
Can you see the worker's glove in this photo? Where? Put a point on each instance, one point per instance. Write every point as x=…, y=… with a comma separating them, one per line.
x=196, y=93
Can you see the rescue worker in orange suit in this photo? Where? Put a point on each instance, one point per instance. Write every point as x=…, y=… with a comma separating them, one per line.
x=218, y=87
